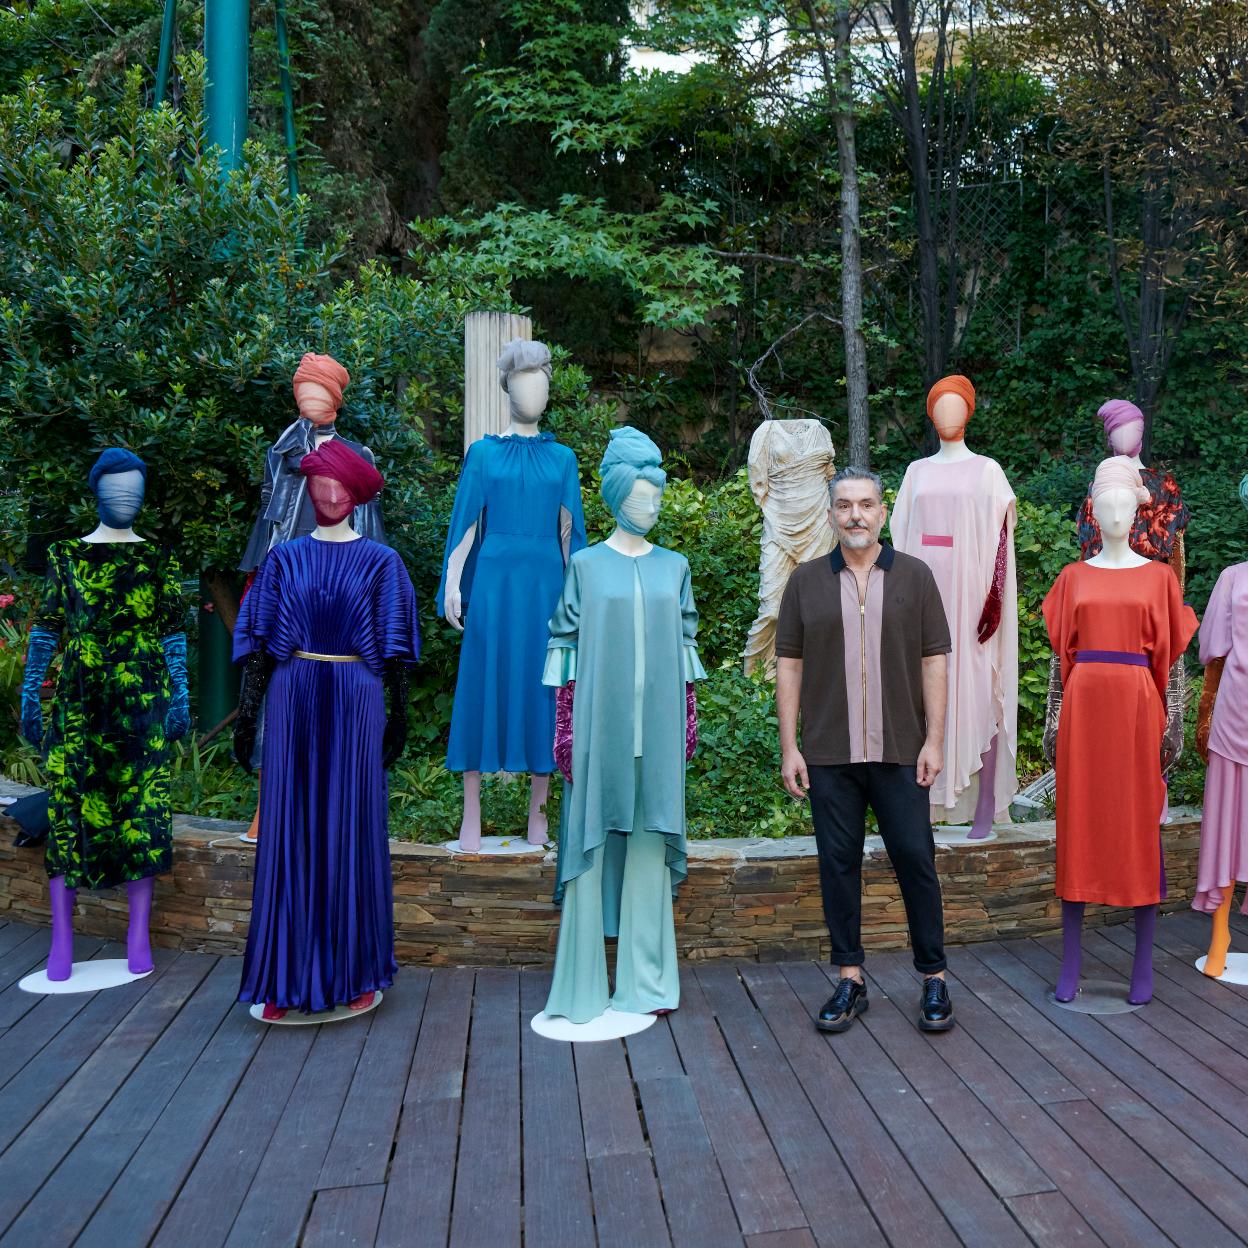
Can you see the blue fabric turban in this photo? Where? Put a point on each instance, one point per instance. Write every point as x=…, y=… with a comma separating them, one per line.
x=115, y=459
x=1243, y=490
x=630, y=457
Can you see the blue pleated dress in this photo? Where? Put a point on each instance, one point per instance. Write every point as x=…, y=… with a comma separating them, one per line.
x=322, y=921
x=524, y=496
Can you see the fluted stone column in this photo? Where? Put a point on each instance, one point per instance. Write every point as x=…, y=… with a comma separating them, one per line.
x=485, y=401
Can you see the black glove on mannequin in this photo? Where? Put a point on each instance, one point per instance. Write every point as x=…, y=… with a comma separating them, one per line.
x=257, y=672
x=395, y=736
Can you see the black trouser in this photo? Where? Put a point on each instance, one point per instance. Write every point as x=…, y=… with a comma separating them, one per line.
x=838, y=805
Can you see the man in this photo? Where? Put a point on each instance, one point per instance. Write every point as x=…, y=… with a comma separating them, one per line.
x=862, y=646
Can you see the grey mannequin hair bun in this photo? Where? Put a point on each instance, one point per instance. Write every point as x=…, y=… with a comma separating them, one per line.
x=519, y=356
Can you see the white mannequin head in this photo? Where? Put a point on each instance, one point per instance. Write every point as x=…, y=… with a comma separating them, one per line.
x=951, y=415
x=639, y=512
x=528, y=391
x=1115, y=513
x=1127, y=439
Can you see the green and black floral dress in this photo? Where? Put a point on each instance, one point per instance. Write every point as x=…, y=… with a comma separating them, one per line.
x=107, y=757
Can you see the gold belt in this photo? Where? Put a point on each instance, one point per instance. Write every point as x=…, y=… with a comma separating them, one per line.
x=327, y=658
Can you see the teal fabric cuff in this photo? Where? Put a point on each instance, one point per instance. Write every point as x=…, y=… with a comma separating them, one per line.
x=693, y=665
x=560, y=666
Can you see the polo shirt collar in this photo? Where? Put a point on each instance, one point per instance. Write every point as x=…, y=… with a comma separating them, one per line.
x=883, y=561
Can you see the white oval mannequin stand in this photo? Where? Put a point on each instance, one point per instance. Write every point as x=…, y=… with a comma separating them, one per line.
x=609, y=1025
x=495, y=846
x=959, y=834
x=84, y=977
x=1236, y=969
x=293, y=1018
x=1098, y=996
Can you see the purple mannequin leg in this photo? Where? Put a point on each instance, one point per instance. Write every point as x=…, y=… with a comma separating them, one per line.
x=1072, y=951
x=1142, y=968
x=61, y=955
x=138, y=940
x=981, y=825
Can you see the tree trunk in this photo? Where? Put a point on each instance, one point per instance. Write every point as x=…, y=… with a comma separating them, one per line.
x=851, y=251
x=224, y=599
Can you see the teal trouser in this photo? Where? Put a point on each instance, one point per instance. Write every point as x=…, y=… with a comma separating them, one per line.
x=646, y=976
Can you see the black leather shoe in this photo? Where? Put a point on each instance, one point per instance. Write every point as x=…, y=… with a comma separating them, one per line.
x=935, y=1008
x=843, y=1006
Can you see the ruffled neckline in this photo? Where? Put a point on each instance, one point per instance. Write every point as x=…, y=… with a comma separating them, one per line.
x=511, y=438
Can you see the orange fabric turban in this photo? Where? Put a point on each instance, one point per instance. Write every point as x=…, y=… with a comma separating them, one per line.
x=325, y=371
x=953, y=384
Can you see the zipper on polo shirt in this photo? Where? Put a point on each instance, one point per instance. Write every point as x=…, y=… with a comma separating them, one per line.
x=862, y=637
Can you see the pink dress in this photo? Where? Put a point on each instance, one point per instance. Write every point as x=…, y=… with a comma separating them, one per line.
x=1224, y=831
x=950, y=515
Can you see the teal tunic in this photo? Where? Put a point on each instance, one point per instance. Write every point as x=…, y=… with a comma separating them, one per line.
x=630, y=698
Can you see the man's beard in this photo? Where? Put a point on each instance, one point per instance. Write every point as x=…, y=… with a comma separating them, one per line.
x=857, y=539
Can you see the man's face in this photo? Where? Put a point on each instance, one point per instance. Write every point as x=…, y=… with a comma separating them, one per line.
x=857, y=514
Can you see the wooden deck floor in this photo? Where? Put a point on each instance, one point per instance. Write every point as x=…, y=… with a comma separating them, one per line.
x=161, y=1113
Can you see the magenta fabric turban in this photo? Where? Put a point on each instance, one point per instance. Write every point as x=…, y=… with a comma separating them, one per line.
x=1118, y=473
x=1118, y=412
x=340, y=463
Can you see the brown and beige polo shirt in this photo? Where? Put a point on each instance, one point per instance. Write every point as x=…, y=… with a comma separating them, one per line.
x=862, y=661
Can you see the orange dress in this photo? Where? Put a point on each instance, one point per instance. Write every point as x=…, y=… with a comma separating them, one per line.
x=1109, y=786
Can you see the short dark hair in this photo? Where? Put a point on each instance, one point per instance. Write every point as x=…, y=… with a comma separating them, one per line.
x=850, y=473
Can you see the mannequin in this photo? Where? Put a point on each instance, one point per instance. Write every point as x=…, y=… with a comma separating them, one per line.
x=286, y=511
x=790, y=465
x=121, y=700
x=1117, y=623
x=623, y=656
x=326, y=635
x=517, y=520
x=1222, y=739
x=956, y=511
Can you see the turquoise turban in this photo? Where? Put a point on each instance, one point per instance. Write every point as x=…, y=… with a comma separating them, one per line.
x=1243, y=490
x=630, y=457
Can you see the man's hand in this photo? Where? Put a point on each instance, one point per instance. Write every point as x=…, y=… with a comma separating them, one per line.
x=793, y=772
x=931, y=763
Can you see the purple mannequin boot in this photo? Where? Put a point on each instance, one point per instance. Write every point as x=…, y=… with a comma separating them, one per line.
x=138, y=939
x=1072, y=951
x=981, y=824
x=61, y=955
x=1142, y=968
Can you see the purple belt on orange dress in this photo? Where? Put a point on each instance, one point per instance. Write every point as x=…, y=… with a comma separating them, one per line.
x=936, y=539
x=1128, y=658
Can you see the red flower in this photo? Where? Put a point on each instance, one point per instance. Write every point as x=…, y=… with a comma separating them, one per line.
x=6, y=600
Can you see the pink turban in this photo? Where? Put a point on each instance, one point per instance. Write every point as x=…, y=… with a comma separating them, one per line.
x=340, y=463
x=1118, y=412
x=325, y=371
x=1118, y=473
x=953, y=384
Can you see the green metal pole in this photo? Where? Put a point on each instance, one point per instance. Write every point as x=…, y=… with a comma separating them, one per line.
x=288, y=98
x=167, y=31
x=226, y=47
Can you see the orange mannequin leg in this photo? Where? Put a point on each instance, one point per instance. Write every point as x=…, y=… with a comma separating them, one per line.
x=1220, y=938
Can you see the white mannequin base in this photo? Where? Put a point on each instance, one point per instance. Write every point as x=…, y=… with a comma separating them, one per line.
x=609, y=1025
x=293, y=1018
x=85, y=977
x=1099, y=996
x=496, y=846
x=1236, y=969
x=959, y=834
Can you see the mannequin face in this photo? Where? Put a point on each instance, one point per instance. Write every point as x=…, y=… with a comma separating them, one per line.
x=1115, y=513
x=331, y=500
x=1127, y=439
x=857, y=513
x=315, y=403
x=528, y=391
x=950, y=416
x=640, y=510
x=119, y=498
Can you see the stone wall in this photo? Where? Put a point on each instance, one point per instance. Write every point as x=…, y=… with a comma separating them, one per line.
x=753, y=899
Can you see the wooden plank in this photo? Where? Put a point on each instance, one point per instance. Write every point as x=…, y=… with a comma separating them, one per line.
x=762, y=1196
x=1175, y=1210
x=608, y=1104
x=800, y=1238
x=966, y=1200
x=1005, y=1167
x=900, y=1203
x=1052, y=1221
x=168, y=1154
x=359, y=1152
x=823, y=1185
x=14, y=933
x=1075, y=1173
x=277, y=1203
x=486, y=1207
x=77, y=1100
x=557, y=1206
x=699, y=1211
x=70, y=1194
x=652, y=1053
x=345, y=1217
x=16, y=1004
x=20, y=959
x=1174, y=957
x=627, y=1210
x=417, y=1208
